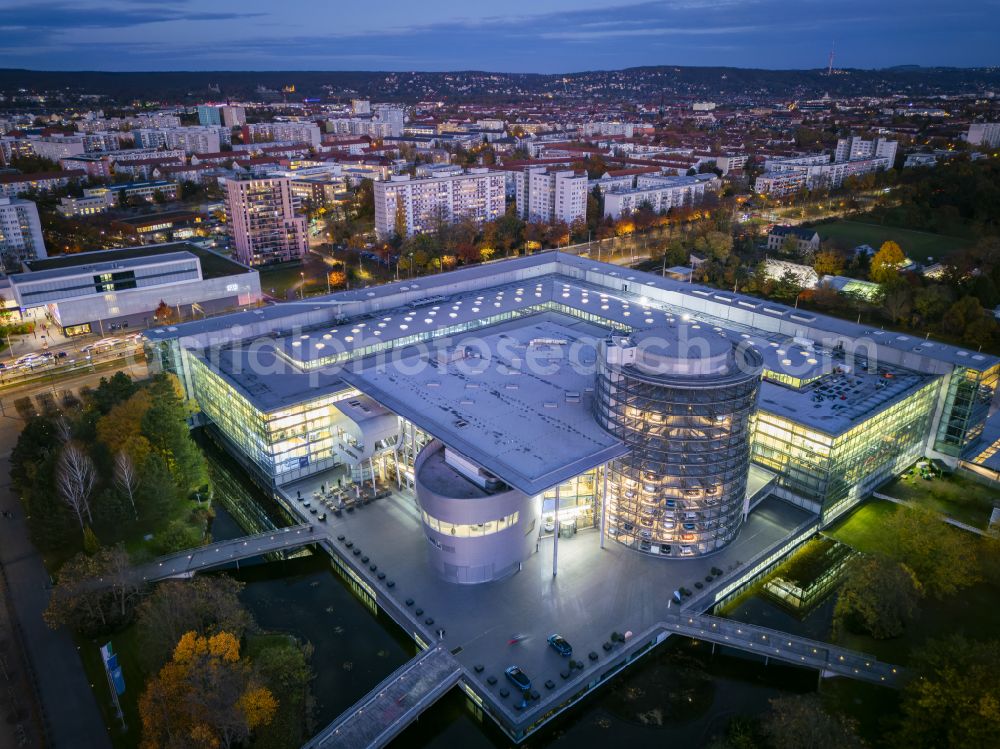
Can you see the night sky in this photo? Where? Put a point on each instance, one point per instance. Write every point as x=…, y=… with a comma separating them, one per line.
x=546, y=36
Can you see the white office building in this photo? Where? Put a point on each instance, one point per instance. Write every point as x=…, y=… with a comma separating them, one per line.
x=551, y=196
x=20, y=233
x=476, y=194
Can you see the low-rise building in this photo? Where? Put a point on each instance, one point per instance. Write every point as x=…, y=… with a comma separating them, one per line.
x=97, y=291
x=806, y=240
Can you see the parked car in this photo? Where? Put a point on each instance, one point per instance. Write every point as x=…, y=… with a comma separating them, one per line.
x=559, y=644
x=518, y=678
x=322, y=517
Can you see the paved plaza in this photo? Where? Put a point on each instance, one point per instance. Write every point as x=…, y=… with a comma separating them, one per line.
x=596, y=591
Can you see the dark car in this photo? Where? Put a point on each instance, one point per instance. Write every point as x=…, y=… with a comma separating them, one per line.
x=518, y=678
x=559, y=644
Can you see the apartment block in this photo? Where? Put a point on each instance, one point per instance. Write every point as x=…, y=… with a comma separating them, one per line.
x=286, y=132
x=20, y=233
x=660, y=192
x=550, y=196
x=852, y=149
x=476, y=194
x=263, y=223
x=197, y=139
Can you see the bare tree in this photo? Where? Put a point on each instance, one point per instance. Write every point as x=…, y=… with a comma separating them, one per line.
x=75, y=478
x=126, y=478
x=63, y=428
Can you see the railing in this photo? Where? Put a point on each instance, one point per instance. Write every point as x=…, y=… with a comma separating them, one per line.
x=397, y=701
x=189, y=561
x=782, y=646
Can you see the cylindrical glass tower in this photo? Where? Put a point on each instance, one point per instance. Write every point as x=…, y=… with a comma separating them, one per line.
x=681, y=398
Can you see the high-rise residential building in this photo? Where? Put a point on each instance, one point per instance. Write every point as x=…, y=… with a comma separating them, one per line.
x=209, y=115
x=551, y=196
x=361, y=106
x=263, y=223
x=852, y=149
x=984, y=134
x=233, y=115
x=394, y=116
x=476, y=194
x=20, y=233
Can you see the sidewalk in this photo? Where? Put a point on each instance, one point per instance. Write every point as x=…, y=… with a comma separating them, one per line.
x=70, y=711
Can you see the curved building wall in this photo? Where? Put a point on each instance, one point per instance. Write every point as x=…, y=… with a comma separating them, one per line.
x=681, y=490
x=475, y=535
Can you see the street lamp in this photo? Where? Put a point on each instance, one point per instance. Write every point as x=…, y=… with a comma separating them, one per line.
x=302, y=285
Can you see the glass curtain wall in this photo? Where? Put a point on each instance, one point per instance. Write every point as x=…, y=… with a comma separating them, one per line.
x=836, y=472
x=966, y=407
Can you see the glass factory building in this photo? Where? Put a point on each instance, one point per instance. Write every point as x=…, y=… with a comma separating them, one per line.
x=552, y=393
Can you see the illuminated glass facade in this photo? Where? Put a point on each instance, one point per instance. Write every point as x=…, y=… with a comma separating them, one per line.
x=681, y=490
x=577, y=502
x=967, y=404
x=837, y=471
x=285, y=443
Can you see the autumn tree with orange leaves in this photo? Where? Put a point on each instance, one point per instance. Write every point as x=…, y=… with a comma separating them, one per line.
x=205, y=697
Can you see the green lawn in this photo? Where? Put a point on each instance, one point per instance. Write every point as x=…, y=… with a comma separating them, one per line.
x=917, y=245
x=862, y=529
x=956, y=496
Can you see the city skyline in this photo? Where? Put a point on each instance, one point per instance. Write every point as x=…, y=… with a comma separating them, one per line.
x=441, y=35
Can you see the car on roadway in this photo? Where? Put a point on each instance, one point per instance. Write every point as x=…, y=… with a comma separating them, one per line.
x=558, y=643
x=518, y=678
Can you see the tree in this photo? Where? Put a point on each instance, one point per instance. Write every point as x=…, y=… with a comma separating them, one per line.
x=401, y=227
x=714, y=244
x=879, y=596
x=164, y=314
x=897, y=301
x=954, y=703
x=800, y=722
x=120, y=429
x=203, y=605
x=110, y=392
x=887, y=262
x=94, y=594
x=205, y=696
x=828, y=263
x=75, y=478
x=126, y=478
x=165, y=426
x=940, y=556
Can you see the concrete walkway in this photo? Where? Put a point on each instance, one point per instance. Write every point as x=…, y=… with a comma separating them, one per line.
x=383, y=713
x=70, y=712
x=190, y=561
x=771, y=643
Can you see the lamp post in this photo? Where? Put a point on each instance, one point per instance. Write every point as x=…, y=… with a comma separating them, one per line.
x=302, y=285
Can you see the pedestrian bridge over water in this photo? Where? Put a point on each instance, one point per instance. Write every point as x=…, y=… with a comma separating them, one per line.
x=384, y=712
x=770, y=643
x=191, y=561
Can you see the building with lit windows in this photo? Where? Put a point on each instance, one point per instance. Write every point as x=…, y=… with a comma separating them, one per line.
x=262, y=219
x=475, y=194
x=89, y=292
x=20, y=233
x=551, y=395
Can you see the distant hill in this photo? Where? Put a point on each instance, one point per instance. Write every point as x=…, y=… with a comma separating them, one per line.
x=643, y=84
